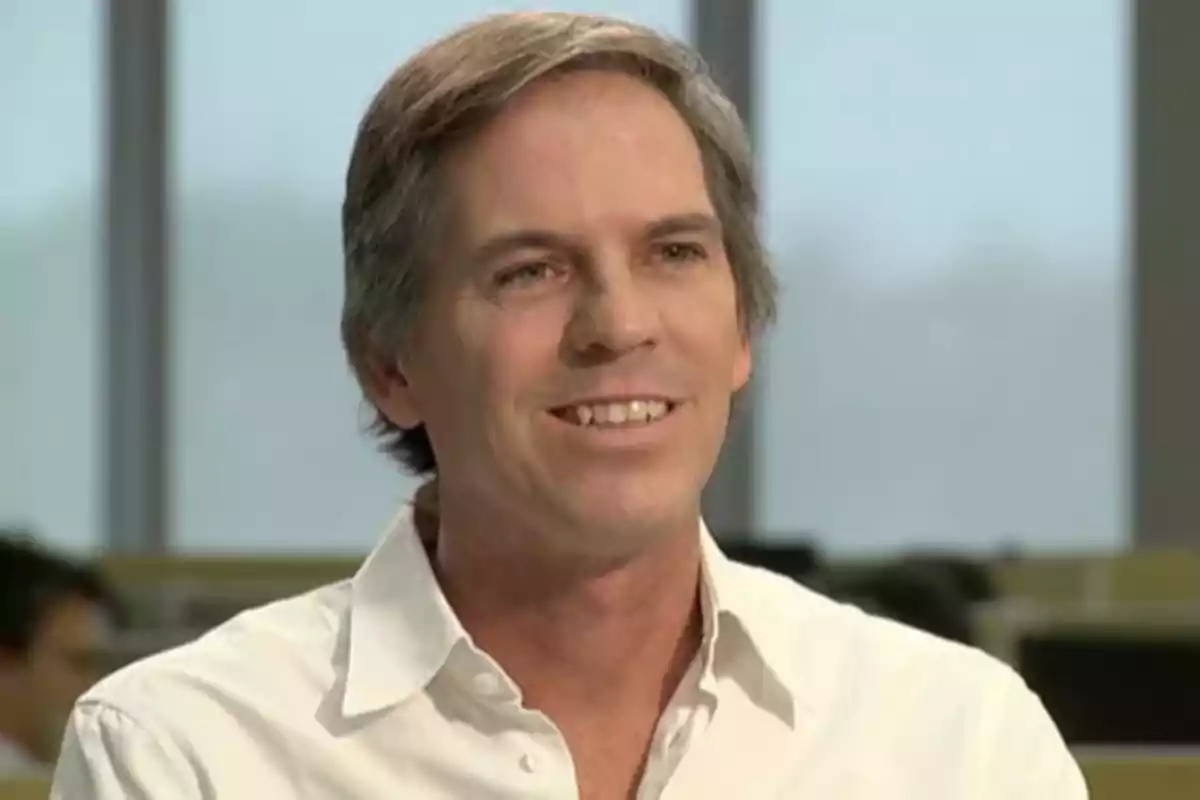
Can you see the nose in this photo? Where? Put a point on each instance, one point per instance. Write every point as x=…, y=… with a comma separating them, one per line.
x=614, y=314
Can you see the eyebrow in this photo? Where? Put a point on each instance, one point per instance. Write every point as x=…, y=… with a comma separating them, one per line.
x=698, y=222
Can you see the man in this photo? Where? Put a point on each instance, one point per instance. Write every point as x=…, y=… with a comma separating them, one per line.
x=552, y=282
x=55, y=619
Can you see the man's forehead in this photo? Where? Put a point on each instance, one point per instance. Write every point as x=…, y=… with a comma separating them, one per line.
x=582, y=149
x=586, y=94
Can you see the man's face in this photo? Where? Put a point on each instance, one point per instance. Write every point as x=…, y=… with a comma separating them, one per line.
x=580, y=343
x=62, y=662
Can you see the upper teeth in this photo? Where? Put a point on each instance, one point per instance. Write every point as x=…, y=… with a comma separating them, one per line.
x=618, y=413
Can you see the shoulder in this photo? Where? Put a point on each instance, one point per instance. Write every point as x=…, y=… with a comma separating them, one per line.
x=836, y=654
x=283, y=649
x=897, y=694
x=197, y=715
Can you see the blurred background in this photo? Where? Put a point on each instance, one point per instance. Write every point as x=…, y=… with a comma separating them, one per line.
x=976, y=413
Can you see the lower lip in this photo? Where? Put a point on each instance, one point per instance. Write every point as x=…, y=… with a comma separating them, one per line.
x=636, y=436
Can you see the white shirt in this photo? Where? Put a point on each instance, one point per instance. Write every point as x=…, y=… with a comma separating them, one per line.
x=370, y=689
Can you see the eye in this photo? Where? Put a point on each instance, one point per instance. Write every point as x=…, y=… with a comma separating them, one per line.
x=681, y=252
x=527, y=274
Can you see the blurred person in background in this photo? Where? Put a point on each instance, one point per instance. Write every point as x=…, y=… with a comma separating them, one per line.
x=553, y=280
x=55, y=625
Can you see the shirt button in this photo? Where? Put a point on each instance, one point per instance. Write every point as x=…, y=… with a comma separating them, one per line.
x=486, y=684
x=528, y=763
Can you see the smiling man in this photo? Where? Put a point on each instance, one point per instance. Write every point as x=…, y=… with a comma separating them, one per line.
x=553, y=281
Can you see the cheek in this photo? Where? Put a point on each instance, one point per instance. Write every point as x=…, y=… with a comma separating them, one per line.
x=475, y=389
x=712, y=334
x=743, y=364
x=521, y=366
x=733, y=341
x=516, y=352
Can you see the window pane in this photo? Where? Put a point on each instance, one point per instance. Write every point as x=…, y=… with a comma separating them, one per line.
x=50, y=393
x=945, y=191
x=267, y=443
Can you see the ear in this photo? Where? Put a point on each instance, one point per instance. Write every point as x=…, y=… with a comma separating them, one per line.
x=389, y=390
x=742, y=366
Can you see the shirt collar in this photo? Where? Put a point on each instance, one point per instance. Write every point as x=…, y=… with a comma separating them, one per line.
x=402, y=629
x=736, y=600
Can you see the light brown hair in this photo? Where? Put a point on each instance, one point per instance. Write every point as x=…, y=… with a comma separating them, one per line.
x=397, y=210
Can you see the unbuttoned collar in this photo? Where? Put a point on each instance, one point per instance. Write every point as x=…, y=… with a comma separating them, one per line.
x=738, y=595
x=402, y=629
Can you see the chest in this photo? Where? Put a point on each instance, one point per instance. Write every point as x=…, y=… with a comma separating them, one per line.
x=442, y=751
x=610, y=761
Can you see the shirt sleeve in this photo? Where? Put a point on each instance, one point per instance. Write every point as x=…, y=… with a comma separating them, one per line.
x=1033, y=760
x=107, y=755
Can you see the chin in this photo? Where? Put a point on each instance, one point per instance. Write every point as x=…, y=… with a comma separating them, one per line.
x=627, y=522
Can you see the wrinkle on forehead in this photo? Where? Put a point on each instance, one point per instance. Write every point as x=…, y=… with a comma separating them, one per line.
x=580, y=151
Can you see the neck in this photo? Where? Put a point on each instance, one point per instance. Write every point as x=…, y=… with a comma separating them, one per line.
x=568, y=630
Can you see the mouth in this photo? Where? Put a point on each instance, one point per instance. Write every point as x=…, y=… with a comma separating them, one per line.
x=625, y=413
